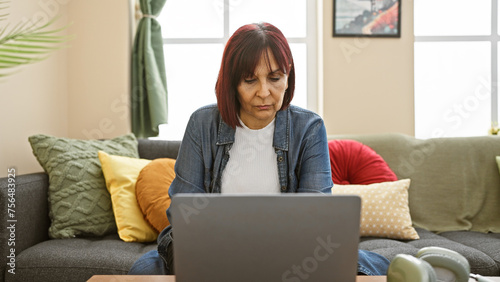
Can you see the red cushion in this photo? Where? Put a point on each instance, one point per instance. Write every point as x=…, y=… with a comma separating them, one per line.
x=355, y=163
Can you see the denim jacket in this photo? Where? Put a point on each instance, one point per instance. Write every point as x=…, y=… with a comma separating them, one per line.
x=303, y=164
x=299, y=141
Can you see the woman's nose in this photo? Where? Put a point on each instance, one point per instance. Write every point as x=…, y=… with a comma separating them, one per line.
x=264, y=90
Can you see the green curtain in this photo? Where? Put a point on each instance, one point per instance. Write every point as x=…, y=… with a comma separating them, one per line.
x=149, y=82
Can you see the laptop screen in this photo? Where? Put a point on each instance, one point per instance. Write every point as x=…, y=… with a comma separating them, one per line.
x=284, y=237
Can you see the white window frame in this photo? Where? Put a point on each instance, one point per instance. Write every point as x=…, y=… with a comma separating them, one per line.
x=311, y=41
x=493, y=38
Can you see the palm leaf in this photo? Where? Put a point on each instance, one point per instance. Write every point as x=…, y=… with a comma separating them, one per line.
x=27, y=42
x=3, y=6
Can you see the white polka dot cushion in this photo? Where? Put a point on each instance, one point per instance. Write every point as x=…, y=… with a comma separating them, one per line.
x=384, y=208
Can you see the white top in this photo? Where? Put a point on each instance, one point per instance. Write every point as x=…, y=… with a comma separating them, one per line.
x=252, y=165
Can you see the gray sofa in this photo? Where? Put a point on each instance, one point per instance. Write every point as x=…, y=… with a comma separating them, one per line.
x=436, y=167
x=454, y=196
x=39, y=258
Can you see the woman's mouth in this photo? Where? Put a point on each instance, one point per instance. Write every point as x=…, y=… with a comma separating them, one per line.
x=263, y=107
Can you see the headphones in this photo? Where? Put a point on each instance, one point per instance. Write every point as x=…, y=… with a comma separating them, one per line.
x=432, y=264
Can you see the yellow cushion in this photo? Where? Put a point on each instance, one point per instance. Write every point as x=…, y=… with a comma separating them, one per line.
x=121, y=175
x=384, y=208
x=152, y=191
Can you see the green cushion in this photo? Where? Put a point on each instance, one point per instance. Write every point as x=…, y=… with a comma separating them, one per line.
x=78, y=199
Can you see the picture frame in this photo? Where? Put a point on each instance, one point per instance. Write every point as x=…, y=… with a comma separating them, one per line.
x=367, y=18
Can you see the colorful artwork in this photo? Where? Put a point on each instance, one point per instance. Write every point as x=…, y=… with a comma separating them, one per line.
x=377, y=18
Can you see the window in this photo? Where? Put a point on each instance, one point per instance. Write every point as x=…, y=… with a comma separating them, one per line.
x=194, y=35
x=456, y=67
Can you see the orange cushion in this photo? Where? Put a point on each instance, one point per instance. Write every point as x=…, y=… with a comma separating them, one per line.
x=152, y=191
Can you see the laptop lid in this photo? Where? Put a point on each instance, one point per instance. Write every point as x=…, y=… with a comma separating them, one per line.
x=285, y=237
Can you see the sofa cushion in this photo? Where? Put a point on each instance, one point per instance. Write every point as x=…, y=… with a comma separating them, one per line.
x=488, y=243
x=152, y=187
x=78, y=200
x=121, y=175
x=154, y=149
x=77, y=259
x=384, y=208
x=480, y=262
x=454, y=181
x=354, y=163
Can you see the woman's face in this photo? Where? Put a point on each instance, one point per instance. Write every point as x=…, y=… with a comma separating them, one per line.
x=261, y=95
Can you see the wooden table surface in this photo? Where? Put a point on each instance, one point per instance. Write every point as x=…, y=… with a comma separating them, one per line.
x=169, y=278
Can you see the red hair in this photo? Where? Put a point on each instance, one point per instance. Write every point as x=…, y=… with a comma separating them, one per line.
x=241, y=56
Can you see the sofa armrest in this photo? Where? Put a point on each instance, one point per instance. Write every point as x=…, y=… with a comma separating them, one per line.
x=31, y=213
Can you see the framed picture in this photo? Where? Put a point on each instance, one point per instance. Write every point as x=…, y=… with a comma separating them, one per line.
x=368, y=18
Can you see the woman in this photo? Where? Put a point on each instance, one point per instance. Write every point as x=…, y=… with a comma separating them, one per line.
x=253, y=140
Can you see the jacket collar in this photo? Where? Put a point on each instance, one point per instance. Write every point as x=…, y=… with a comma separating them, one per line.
x=225, y=134
x=282, y=130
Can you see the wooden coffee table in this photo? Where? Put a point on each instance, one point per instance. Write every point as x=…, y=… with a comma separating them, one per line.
x=169, y=278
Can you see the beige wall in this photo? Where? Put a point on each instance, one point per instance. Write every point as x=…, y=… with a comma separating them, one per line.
x=79, y=92
x=34, y=100
x=99, y=68
x=368, y=82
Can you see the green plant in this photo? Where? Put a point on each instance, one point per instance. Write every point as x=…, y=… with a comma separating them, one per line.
x=26, y=42
x=494, y=128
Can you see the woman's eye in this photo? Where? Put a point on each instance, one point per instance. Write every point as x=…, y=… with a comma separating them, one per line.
x=249, y=80
x=275, y=78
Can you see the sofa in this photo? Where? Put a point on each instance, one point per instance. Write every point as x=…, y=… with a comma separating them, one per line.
x=39, y=258
x=452, y=180
x=454, y=196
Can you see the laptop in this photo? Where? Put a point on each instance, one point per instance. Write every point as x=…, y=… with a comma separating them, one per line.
x=249, y=237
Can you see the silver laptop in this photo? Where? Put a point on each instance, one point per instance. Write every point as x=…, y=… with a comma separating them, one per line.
x=286, y=237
